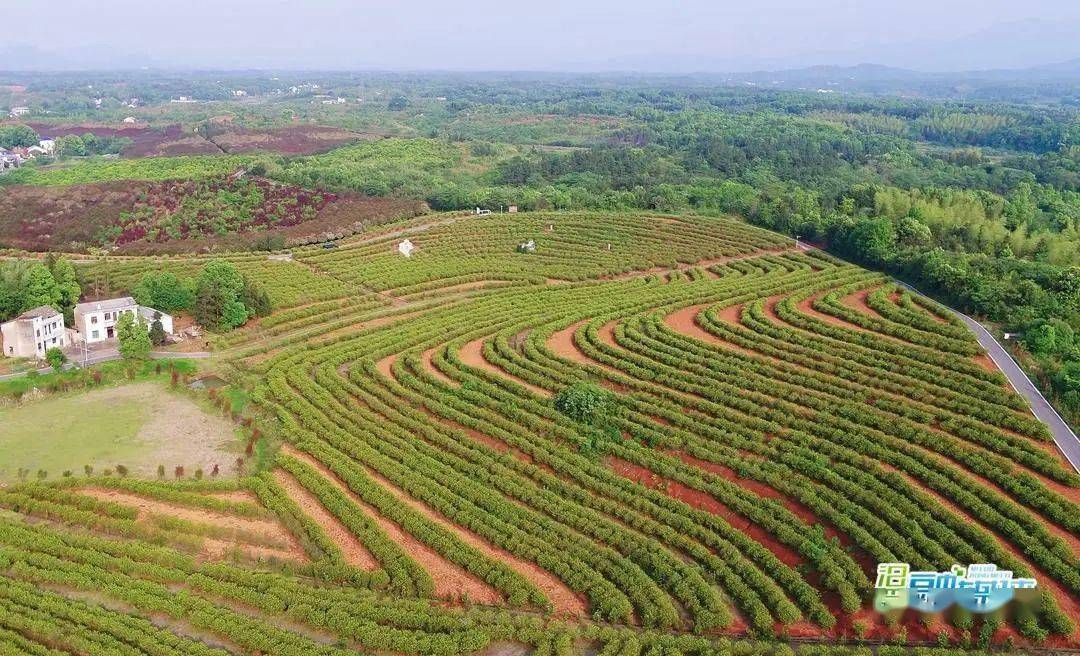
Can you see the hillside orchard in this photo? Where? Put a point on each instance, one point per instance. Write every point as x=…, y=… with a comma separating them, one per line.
x=651, y=434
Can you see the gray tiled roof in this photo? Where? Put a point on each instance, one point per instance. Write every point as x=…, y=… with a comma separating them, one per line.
x=108, y=304
x=43, y=311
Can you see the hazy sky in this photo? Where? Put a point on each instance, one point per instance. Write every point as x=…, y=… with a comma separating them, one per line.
x=537, y=35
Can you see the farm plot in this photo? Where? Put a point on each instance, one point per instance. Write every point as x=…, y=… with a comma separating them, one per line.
x=773, y=424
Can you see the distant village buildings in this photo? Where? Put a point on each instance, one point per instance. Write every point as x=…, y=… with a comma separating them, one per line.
x=34, y=332
x=13, y=159
x=9, y=160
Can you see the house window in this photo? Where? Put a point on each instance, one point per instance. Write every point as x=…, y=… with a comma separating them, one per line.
x=94, y=334
x=93, y=319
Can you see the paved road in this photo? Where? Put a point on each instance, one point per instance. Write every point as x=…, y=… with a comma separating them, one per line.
x=105, y=355
x=1064, y=436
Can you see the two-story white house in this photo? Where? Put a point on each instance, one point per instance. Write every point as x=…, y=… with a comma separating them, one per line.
x=33, y=332
x=96, y=320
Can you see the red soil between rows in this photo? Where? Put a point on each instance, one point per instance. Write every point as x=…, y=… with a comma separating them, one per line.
x=562, y=598
x=857, y=301
x=1070, y=493
x=684, y=321
x=731, y=314
x=385, y=366
x=450, y=289
x=1070, y=604
x=806, y=306
x=429, y=366
x=763, y=490
x=562, y=344
x=451, y=580
x=366, y=324
x=354, y=551
x=703, y=501
x=706, y=263
x=270, y=529
x=235, y=496
x=472, y=354
x=895, y=299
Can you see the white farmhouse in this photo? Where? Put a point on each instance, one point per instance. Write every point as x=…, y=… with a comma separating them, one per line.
x=130, y=120
x=33, y=332
x=406, y=248
x=96, y=320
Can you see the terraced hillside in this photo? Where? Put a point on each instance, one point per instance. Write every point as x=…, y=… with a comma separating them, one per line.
x=779, y=422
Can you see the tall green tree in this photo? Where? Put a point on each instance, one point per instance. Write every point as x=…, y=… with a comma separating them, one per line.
x=41, y=289
x=18, y=136
x=165, y=292
x=63, y=273
x=133, y=336
x=219, y=295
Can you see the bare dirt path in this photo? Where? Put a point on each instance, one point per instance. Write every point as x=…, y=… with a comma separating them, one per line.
x=472, y=354
x=429, y=366
x=271, y=530
x=354, y=551
x=562, y=598
x=561, y=343
x=451, y=580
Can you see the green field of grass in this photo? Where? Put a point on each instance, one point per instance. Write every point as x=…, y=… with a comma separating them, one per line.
x=139, y=426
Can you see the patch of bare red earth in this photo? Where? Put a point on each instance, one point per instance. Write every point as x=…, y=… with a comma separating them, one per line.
x=472, y=354
x=353, y=551
x=684, y=321
x=451, y=580
x=562, y=344
x=429, y=366
x=214, y=548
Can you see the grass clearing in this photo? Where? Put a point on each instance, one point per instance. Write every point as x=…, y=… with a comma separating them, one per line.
x=139, y=425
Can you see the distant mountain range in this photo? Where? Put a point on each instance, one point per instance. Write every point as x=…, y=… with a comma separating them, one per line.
x=1029, y=50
